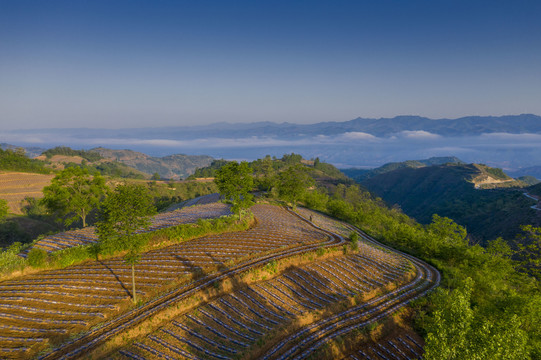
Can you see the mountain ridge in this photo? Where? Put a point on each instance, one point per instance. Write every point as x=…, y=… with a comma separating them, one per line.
x=174, y=166
x=463, y=126
x=450, y=190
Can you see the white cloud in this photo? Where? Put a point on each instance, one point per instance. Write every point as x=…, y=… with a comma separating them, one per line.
x=419, y=135
x=357, y=135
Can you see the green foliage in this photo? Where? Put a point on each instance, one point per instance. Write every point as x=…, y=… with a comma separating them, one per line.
x=292, y=159
x=71, y=255
x=235, y=181
x=73, y=194
x=67, y=151
x=456, y=331
x=155, y=176
x=33, y=207
x=530, y=251
x=122, y=214
x=265, y=173
x=354, y=238
x=16, y=160
x=315, y=199
x=4, y=209
x=37, y=257
x=208, y=171
x=447, y=191
x=272, y=266
x=328, y=169
x=293, y=183
x=10, y=259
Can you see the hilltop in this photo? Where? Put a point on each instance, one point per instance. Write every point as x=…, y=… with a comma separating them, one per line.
x=362, y=174
x=466, y=193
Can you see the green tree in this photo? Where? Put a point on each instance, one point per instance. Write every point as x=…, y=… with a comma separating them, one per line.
x=123, y=214
x=530, y=250
x=235, y=181
x=293, y=183
x=264, y=173
x=155, y=176
x=73, y=194
x=450, y=324
x=458, y=331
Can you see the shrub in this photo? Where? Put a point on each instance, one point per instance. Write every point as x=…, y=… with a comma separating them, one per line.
x=10, y=260
x=37, y=257
x=354, y=237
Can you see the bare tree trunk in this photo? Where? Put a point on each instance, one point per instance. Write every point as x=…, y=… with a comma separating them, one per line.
x=133, y=282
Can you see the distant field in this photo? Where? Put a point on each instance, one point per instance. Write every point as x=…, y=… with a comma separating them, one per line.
x=15, y=186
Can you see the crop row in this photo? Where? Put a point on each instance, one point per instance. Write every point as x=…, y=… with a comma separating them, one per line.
x=233, y=323
x=88, y=235
x=397, y=348
x=74, y=298
x=305, y=342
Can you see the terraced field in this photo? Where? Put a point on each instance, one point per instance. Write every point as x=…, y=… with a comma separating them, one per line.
x=15, y=186
x=288, y=316
x=398, y=347
x=42, y=309
x=236, y=325
x=230, y=325
x=184, y=215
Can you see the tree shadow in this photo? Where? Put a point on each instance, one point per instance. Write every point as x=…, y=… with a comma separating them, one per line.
x=128, y=292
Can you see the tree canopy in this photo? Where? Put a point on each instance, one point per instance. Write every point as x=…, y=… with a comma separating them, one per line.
x=293, y=182
x=235, y=181
x=73, y=194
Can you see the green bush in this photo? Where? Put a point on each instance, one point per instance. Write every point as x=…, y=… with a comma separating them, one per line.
x=37, y=257
x=354, y=237
x=10, y=260
x=72, y=255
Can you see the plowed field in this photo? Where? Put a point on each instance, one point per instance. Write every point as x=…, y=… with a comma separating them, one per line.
x=46, y=307
x=15, y=186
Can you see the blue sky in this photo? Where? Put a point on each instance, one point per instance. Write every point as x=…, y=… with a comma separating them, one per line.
x=161, y=63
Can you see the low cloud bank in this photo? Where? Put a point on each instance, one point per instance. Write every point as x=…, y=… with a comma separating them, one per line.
x=505, y=150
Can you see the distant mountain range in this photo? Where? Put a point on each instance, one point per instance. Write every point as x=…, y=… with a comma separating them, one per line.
x=383, y=127
x=511, y=142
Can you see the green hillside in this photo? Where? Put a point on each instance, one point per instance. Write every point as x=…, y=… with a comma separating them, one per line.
x=362, y=174
x=450, y=190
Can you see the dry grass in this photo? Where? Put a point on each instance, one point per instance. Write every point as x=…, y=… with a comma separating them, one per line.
x=15, y=186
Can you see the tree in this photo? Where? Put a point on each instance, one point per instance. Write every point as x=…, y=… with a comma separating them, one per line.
x=73, y=194
x=155, y=176
x=293, y=182
x=530, y=250
x=457, y=331
x=122, y=215
x=235, y=181
x=264, y=172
